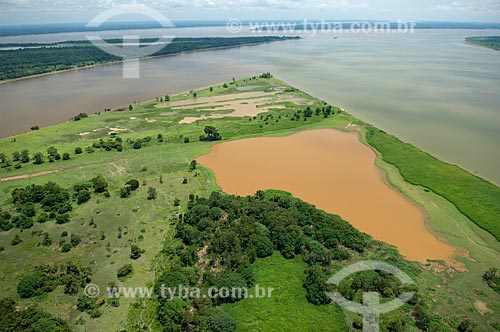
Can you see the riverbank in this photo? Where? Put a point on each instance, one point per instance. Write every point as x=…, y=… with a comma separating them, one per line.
x=201, y=49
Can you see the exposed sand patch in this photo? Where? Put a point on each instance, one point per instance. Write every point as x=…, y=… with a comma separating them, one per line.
x=27, y=176
x=240, y=105
x=150, y=120
x=482, y=308
x=334, y=171
x=168, y=114
x=216, y=99
x=84, y=133
x=115, y=131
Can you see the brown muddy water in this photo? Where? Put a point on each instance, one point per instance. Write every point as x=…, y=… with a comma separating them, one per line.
x=334, y=171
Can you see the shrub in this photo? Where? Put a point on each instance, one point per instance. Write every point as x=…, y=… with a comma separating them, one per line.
x=135, y=252
x=16, y=240
x=124, y=271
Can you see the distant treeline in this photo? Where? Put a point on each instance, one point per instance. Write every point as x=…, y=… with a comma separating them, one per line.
x=34, y=61
x=492, y=42
x=38, y=29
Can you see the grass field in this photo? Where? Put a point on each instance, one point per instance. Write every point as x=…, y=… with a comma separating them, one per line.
x=454, y=194
x=288, y=309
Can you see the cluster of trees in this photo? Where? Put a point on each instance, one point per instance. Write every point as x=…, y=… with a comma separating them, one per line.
x=267, y=75
x=46, y=278
x=42, y=203
x=38, y=158
x=74, y=241
x=211, y=134
x=137, y=144
x=23, y=157
x=325, y=111
x=33, y=61
x=14, y=319
x=80, y=116
x=223, y=235
x=492, y=277
x=53, y=201
x=109, y=145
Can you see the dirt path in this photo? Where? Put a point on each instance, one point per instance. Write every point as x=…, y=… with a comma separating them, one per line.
x=27, y=176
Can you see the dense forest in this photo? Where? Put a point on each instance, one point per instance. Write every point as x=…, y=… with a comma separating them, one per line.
x=220, y=237
x=47, y=58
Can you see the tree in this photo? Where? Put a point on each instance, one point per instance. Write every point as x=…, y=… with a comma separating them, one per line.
x=212, y=134
x=130, y=107
x=231, y=281
x=135, y=252
x=219, y=321
x=75, y=239
x=38, y=158
x=192, y=165
x=211, y=89
x=80, y=116
x=25, y=156
x=99, y=183
x=66, y=156
x=62, y=219
x=316, y=286
x=133, y=184
x=167, y=98
x=152, y=194
x=125, y=192
x=78, y=150
x=33, y=284
x=490, y=274
x=16, y=156
x=35, y=128
x=137, y=145
x=47, y=241
x=83, y=196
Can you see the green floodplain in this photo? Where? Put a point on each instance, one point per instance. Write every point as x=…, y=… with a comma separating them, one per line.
x=115, y=199
x=492, y=42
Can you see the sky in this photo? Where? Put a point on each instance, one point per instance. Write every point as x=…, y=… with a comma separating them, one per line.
x=76, y=11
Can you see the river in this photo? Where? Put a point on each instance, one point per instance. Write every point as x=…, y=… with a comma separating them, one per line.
x=427, y=88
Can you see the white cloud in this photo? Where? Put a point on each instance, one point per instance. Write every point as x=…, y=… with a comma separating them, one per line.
x=482, y=6
x=211, y=4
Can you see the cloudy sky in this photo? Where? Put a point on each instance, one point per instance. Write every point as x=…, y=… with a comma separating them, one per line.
x=60, y=11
